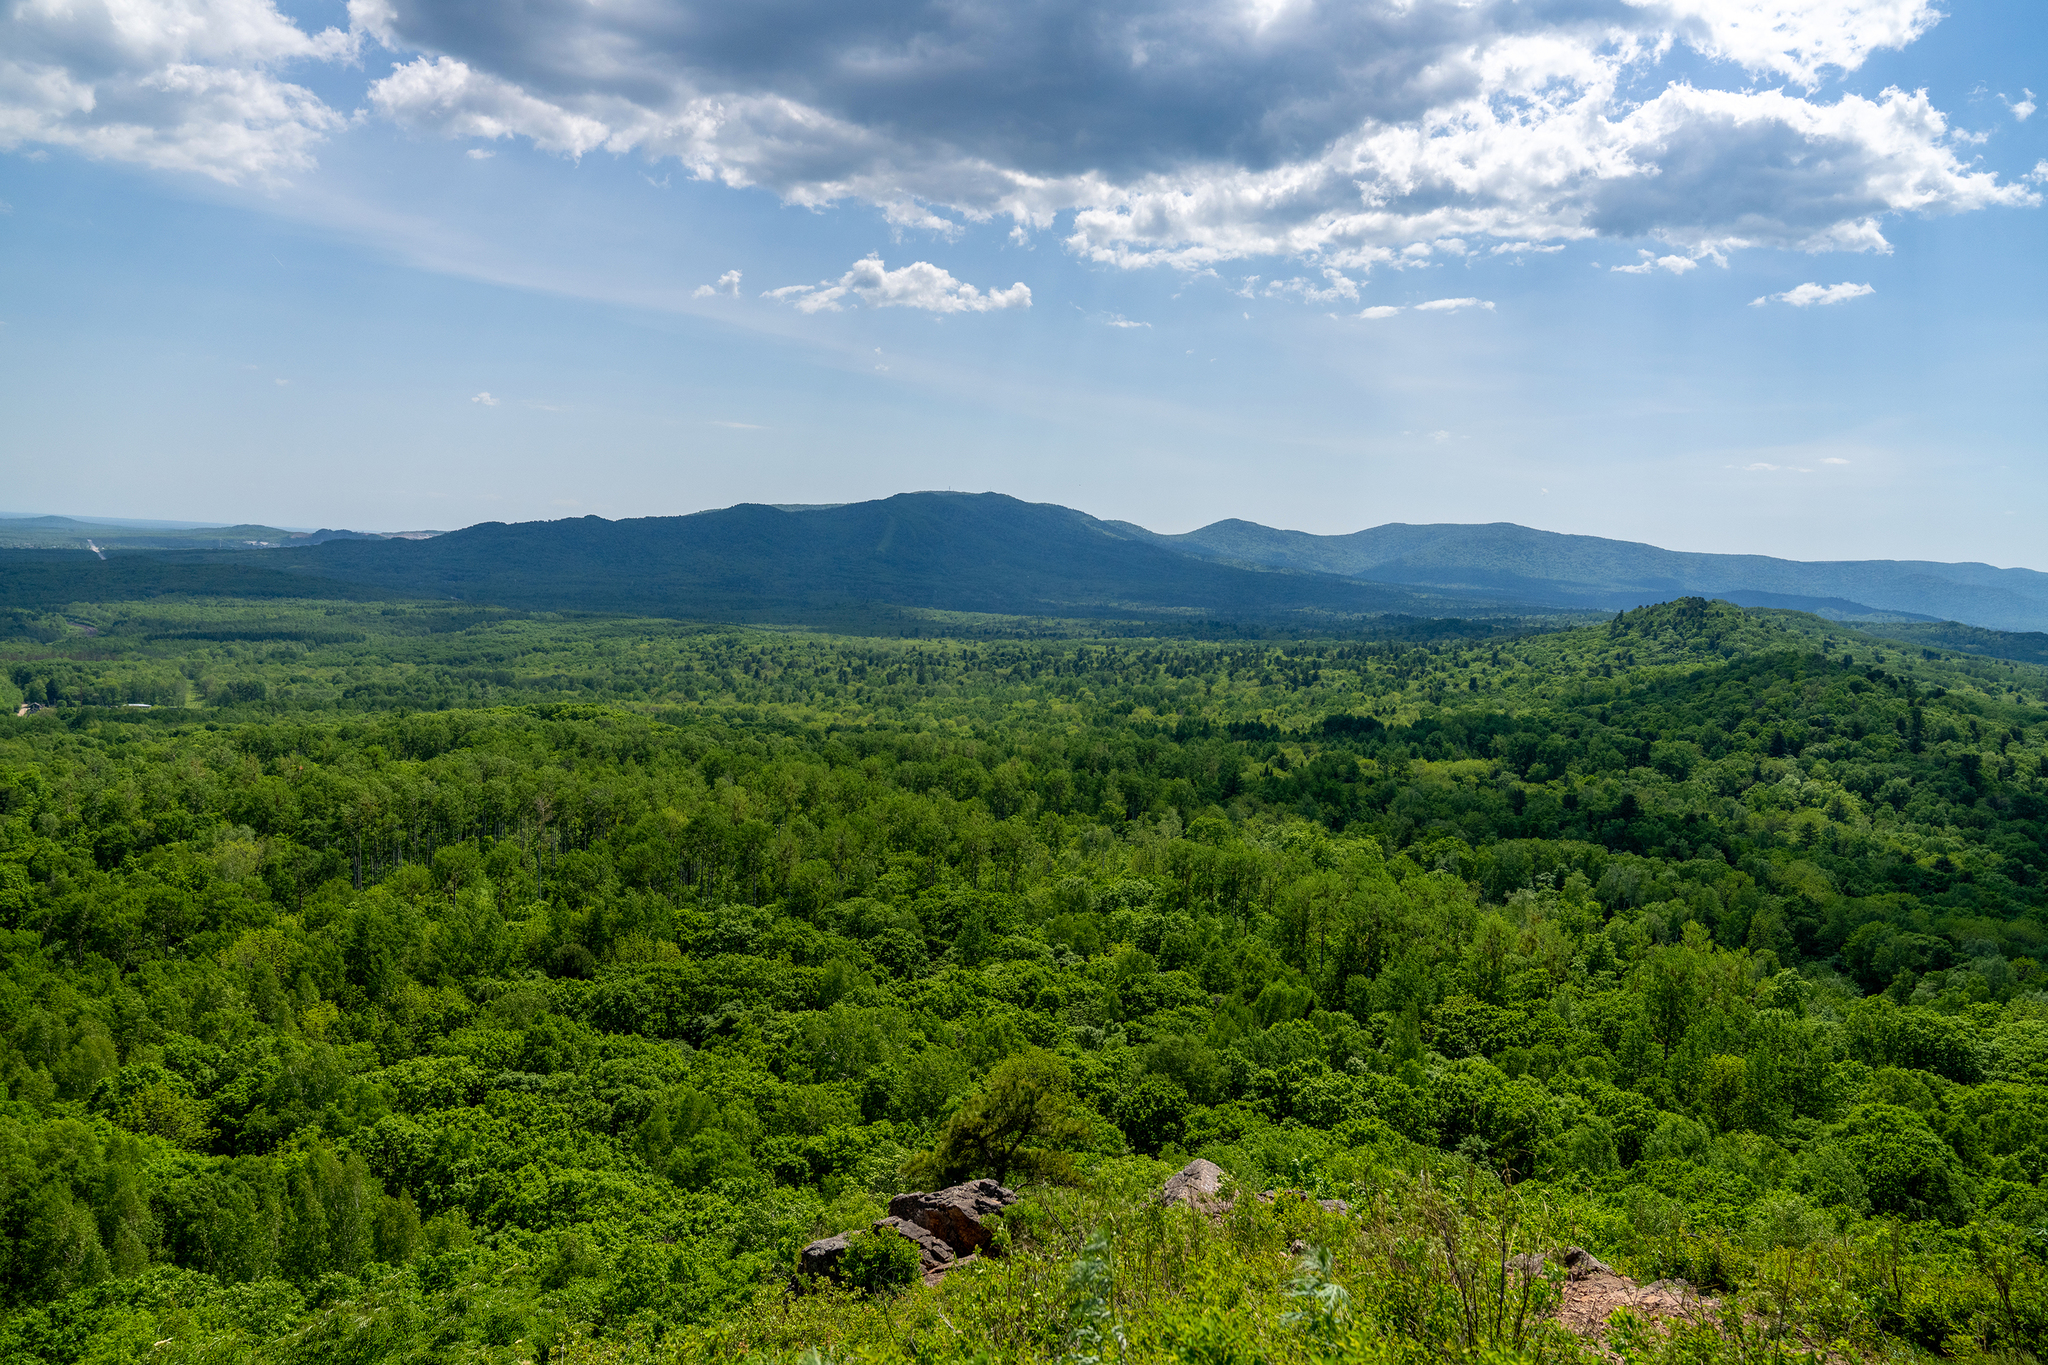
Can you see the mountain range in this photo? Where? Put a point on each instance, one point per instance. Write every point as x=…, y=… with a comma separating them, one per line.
x=991, y=553
x=1504, y=560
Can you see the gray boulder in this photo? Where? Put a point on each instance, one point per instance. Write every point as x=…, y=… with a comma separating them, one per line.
x=1580, y=1264
x=822, y=1256
x=1199, y=1185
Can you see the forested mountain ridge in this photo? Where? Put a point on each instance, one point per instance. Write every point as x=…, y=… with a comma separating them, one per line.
x=947, y=551
x=843, y=566
x=338, y=1029
x=1520, y=563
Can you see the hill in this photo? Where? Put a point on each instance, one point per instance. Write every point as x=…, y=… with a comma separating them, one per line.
x=1517, y=562
x=944, y=551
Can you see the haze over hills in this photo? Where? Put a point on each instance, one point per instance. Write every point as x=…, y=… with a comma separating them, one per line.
x=121, y=533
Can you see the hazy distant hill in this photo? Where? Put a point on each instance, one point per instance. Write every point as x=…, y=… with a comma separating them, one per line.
x=1587, y=571
x=73, y=533
x=950, y=551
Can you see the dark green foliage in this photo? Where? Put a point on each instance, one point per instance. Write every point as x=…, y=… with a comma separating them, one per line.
x=1020, y=1122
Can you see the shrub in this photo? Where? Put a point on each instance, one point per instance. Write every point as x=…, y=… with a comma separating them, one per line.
x=878, y=1262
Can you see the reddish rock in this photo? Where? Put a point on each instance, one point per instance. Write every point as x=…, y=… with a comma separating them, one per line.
x=955, y=1215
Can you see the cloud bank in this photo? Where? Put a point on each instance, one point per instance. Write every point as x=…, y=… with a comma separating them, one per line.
x=182, y=85
x=1176, y=132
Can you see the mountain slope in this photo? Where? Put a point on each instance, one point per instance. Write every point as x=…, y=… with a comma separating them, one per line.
x=948, y=551
x=1587, y=571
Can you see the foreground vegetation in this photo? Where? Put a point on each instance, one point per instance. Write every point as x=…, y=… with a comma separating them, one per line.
x=419, y=982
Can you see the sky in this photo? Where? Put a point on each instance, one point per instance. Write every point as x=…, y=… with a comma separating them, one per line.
x=1761, y=276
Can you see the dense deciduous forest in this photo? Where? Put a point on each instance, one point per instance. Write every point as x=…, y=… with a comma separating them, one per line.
x=412, y=982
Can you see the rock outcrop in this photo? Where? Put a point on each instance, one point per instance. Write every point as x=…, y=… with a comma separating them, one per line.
x=954, y=1215
x=947, y=1227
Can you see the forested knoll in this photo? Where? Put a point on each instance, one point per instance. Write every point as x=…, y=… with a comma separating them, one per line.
x=1710, y=940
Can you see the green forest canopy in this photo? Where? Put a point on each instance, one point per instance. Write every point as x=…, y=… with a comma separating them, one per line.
x=411, y=981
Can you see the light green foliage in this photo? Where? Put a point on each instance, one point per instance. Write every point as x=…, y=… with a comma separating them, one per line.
x=372, y=1017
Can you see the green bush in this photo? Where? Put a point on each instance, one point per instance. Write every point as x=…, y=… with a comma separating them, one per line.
x=878, y=1262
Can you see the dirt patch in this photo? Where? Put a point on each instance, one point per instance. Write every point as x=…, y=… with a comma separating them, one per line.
x=1593, y=1291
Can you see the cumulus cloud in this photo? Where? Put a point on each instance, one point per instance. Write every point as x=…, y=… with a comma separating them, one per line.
x=1807, y=295
x=1677, y=265
x=183, y=85
x=2022, y=107
x=483, y=398
x=1348, y=134
x=919, y=285
x=728, y=284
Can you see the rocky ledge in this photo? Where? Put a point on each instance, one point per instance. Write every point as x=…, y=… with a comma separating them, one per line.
x=947, y=1226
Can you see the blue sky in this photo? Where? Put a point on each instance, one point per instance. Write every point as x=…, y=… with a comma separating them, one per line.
x=1732, y=275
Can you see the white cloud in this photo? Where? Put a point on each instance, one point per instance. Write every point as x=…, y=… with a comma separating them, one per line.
x=1335, y=285
x=1833, y=459
x=2023, y=107
x=1453, y=305
x=485, y=399
x=460, y=102
x=1807, y=295
x=479, y=154
x=1797, y=40
x=728, y=284
x=183, y=85
x=739, y=426
x=1347, y=135
x=1381, y=310
x=1677, y=265
x=918, y=285
x=1119, y=320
